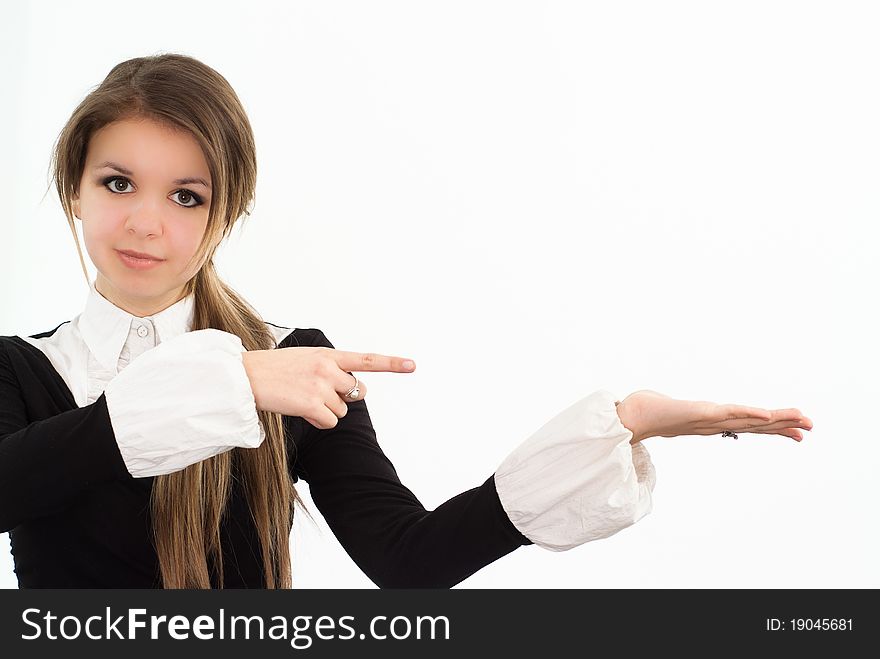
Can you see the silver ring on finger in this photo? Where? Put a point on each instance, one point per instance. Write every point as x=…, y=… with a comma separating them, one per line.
x=354, y=392
x=729, y=433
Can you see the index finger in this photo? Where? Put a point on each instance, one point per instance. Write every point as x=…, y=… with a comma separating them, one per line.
x=370, y=361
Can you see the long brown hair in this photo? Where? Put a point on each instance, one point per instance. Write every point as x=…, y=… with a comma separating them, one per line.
x=187, y=506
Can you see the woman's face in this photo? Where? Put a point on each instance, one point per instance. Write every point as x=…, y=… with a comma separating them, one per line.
x=145, y=188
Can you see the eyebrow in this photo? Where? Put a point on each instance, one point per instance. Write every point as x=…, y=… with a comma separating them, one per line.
x=127, y=172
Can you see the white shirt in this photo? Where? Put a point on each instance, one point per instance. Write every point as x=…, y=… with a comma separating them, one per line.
x=177, y=397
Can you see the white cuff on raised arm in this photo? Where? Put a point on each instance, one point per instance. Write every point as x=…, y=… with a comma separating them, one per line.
x=577, y=478
x=184, y=401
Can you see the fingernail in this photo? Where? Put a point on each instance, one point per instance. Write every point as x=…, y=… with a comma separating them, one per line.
x=408, y=365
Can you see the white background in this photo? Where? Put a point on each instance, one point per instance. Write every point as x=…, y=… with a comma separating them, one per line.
x=535, y=200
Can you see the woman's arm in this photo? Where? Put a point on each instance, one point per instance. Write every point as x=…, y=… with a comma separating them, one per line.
x=379, y=522
x=184, y=401
x=398, y=543
x=180, y=402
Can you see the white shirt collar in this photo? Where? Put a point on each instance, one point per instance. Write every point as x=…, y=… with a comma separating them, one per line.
x=105, y=327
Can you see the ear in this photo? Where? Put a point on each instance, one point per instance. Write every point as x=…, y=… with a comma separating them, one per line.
x=75, y=204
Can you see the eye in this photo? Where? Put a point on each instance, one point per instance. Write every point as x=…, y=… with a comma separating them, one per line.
x=115, y=180
x=189, y=196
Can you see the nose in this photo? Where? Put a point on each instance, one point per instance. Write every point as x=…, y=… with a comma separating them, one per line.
x=145, y=218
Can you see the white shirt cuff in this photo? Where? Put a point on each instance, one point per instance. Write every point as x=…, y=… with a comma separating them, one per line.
x=184, y=401
x=577, y=478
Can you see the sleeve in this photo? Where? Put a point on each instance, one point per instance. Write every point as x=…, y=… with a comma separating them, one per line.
x=380, y=523
x=45, y=464
x=577, y=478
x=184, y=401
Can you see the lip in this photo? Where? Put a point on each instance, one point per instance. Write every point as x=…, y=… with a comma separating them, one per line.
x=138, y=260
x=139, y=255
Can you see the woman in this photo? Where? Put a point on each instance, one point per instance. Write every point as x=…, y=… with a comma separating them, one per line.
x=155, y=439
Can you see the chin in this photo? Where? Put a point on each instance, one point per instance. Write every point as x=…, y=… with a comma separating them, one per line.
x=132, y=282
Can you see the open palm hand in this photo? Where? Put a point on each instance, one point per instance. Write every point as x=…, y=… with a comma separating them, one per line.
x=653, y=414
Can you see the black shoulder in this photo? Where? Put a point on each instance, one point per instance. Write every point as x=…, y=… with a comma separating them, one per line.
x=18, y=340
x=16, y=345
x=43, y=335
x=310, y=337
x=29, y=362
